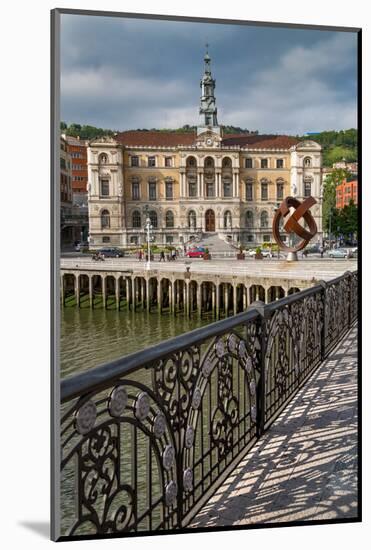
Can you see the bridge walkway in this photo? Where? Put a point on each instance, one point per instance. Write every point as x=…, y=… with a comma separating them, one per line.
x=305, y=466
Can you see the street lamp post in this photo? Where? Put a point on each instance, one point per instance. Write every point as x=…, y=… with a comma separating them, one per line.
x=148, y=228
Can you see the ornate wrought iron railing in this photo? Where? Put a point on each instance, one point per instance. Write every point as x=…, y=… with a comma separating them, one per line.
x=148, y=438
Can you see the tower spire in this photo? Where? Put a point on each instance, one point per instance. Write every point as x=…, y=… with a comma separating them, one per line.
x=208, y=110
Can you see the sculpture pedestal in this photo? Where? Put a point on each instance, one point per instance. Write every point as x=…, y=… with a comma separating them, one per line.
x=292, y=257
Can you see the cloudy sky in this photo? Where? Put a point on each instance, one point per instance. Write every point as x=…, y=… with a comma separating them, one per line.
x=131, y=73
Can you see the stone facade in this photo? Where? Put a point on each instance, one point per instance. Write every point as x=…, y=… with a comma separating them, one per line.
x=196, y=182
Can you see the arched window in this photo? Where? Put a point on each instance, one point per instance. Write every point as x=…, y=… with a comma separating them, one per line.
x=103, y=159
x=137, y=220
x=227, y=163
x=307, y=186
x=191, y=161
x=192, y=219
x=209, y=162
x=307, y=162
x=153, y=218
x=249, y=219
x=264, y=219
x=105, y=220
x=227, y=219
x=169, y=219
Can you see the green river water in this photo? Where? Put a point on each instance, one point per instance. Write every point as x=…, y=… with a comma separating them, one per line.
x=91, y=337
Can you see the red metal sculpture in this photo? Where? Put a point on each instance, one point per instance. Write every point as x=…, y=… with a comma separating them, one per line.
x=292, y=224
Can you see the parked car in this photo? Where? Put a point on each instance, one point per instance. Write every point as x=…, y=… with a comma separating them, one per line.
x=313, y=249
x=196, y=253
x=111, y=253
x=338, y=253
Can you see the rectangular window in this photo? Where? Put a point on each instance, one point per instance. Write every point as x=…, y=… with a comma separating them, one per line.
x=264, y=163
x=168, y=162
x=248, y=163
x=192, y=189
x=266, y=238
x=210, y=190
x=134, y=161
x=135, y=191
x=106, y=239
x=249, y=191
x=151, y=161
x=169, y=190
x=227, y=189
x=169, y=239
x=152, y=191
x=279, y=191
x=250, y=238
x=307, y=189
x=279, y=163
x=264, y=191
x=104, y=188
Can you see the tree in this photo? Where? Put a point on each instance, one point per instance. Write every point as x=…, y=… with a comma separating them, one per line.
x=329, y=195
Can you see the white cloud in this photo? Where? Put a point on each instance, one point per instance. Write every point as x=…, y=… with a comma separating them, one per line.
x=293, y=96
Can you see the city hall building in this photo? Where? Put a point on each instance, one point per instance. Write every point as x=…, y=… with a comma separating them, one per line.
x=195, y=183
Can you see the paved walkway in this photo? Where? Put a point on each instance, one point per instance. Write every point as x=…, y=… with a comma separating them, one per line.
x=305, y=466
x=307, y=269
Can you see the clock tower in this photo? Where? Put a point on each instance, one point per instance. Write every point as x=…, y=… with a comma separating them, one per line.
x=208, y=110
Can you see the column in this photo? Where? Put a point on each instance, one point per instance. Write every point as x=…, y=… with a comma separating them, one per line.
x=266, y=295
x=104, y=291
x=127, y=292
x=77, y=290
x=217, y=299
x=185, y=298
x=213, y=299
x=226, y=299
x=133, y=296
x=62, y=289
x=198, y=184
x=245, y=299
x=182, y=185
x=234, y=299
x=171, y=297
x=159, y=295
x=217, y=184
x=199, y=300
x=117, y=292
x=148, y=295
x=91, y=301
x=144, y=294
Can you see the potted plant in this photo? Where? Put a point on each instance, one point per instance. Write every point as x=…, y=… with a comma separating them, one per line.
x=258, y=253
x=207, y=255
x=240, y=254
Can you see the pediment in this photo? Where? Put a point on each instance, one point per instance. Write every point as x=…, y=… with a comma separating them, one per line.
x=103, y=140
x=307, y=145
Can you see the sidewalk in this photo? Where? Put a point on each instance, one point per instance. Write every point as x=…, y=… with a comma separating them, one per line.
x=305, y=466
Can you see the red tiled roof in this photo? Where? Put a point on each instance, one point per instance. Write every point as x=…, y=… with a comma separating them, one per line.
x=173, y=139
x=153, y=138
x=260, y=141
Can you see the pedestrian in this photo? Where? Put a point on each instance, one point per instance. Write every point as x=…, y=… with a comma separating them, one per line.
x=162, y=256
x=321, y=251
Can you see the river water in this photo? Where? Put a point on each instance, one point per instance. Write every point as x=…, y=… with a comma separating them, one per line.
x=91, y=337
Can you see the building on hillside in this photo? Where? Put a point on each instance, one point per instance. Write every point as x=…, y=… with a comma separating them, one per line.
x=65, y=194
x=197, y=182
x=345, y=192
x=77, y=149
x=351, y=166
